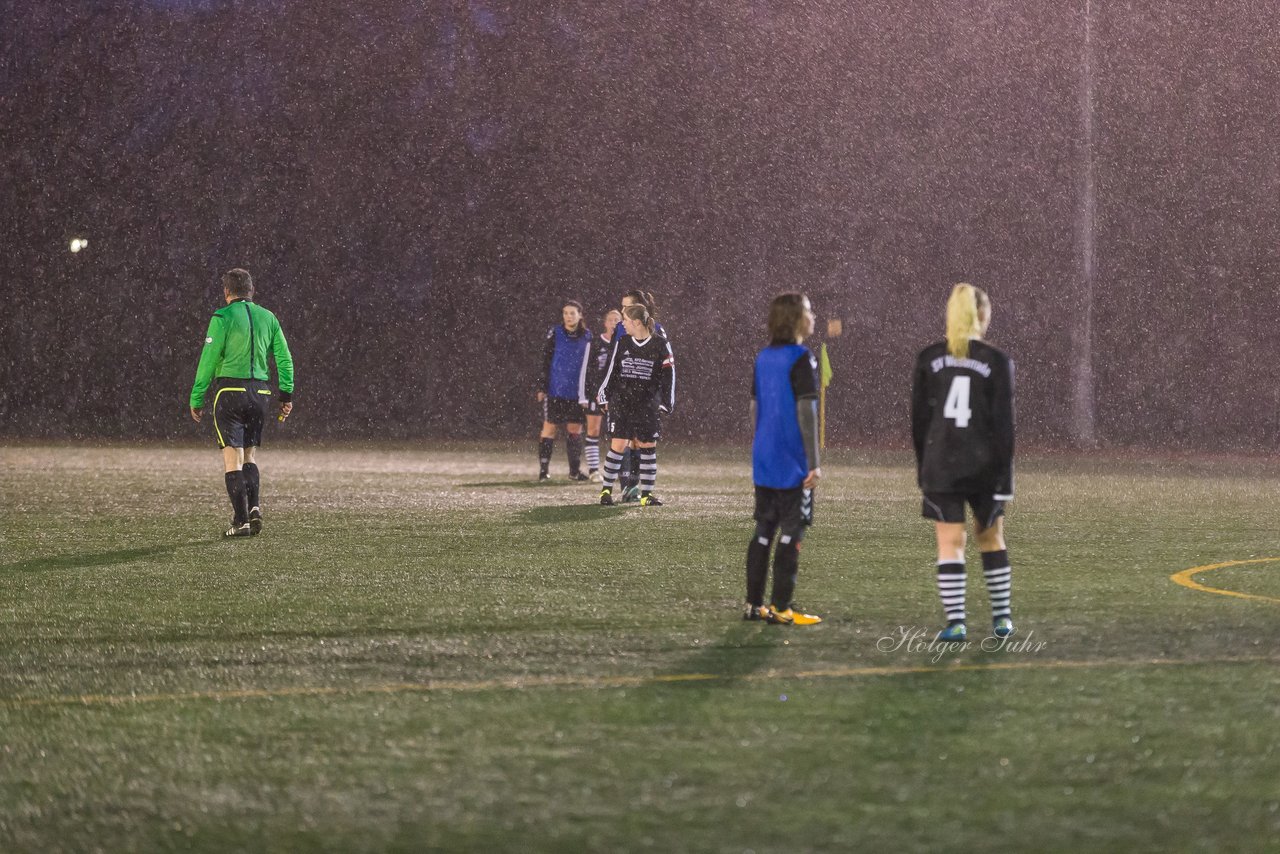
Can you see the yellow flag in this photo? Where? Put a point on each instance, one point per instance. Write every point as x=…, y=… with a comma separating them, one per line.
x=824, y=367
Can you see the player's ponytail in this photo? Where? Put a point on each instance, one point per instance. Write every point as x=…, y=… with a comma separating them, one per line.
x=640, y=314
x=645, y=299
x=965, y=311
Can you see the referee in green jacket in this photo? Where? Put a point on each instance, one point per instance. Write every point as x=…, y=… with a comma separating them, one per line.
x=234, y=361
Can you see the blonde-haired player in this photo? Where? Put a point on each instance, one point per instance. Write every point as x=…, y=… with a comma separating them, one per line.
x=962, y=428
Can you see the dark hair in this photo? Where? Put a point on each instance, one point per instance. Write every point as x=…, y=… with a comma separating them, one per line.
x=238, y=283
x=582, y=322
x=785, y=313
x=641, y=314
x=645, y=299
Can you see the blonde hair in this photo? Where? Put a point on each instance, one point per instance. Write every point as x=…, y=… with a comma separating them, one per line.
x=965, y=309
x=640, y=314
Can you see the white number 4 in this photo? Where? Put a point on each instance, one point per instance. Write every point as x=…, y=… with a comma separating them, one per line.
x=957, y=405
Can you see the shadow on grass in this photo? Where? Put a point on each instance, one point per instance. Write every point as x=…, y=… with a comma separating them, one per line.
x=743, y=649
x=567, y=513
x=92, y=560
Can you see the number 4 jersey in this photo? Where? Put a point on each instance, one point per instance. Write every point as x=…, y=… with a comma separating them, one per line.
x=962, y=421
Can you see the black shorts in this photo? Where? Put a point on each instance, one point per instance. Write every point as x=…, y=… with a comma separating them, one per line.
x=789, y=510
x=593, y=408
x=239, y=408
x=949, y=507
x=641, y=426
x=562, y=410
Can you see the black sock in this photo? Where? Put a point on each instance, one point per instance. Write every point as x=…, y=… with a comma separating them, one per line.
x=757, y=567
x=250, y=472
x=635, y=466
x=545, y=447
x=573, y=444
x=239, y=498
x=786, y=566
x=625, y=481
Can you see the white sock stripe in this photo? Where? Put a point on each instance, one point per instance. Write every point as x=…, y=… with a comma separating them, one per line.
x=953, y=575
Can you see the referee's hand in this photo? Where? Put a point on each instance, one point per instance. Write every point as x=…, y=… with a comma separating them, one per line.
x=195, y=414
x=285, y=408
x=812, y=480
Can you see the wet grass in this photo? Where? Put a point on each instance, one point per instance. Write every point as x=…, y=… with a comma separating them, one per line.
x=425, y=651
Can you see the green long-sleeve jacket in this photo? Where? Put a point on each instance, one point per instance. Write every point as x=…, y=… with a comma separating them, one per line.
x=236, y=345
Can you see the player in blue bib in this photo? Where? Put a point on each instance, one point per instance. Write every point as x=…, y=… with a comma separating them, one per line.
x=565, y=347
x=784, y=456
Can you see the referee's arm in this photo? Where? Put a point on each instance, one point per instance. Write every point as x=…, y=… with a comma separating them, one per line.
x=284, y=370
x=215, y=340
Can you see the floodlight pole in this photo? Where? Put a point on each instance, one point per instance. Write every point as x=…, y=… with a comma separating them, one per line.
x=1084, y=425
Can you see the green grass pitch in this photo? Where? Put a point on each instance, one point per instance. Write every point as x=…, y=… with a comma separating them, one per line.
x=427, y=651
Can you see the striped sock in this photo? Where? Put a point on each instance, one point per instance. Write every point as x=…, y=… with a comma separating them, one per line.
x=648, y=469
x=995, y=568
x=612, y=463
x=951, y=579
x=593, y=454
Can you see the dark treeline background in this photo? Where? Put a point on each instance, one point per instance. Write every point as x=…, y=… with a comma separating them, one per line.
x=417, y=184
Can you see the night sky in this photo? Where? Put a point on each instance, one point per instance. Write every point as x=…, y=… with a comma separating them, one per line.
x=416, y=186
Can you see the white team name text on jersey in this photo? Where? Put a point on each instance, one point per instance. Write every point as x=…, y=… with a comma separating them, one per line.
x=952, y=362
x=636, y=369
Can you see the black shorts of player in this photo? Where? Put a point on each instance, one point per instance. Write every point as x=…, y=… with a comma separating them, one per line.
x=949, y=507
x=239, y=407
x=561, y=410
x=789, y=510
x=641, y=426
x=593, y=408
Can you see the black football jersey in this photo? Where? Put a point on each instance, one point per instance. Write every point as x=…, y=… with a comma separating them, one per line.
x=640, y=375
x=594, y=364
x=962, y=421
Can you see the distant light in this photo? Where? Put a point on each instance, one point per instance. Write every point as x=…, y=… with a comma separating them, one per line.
x=78, y=243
